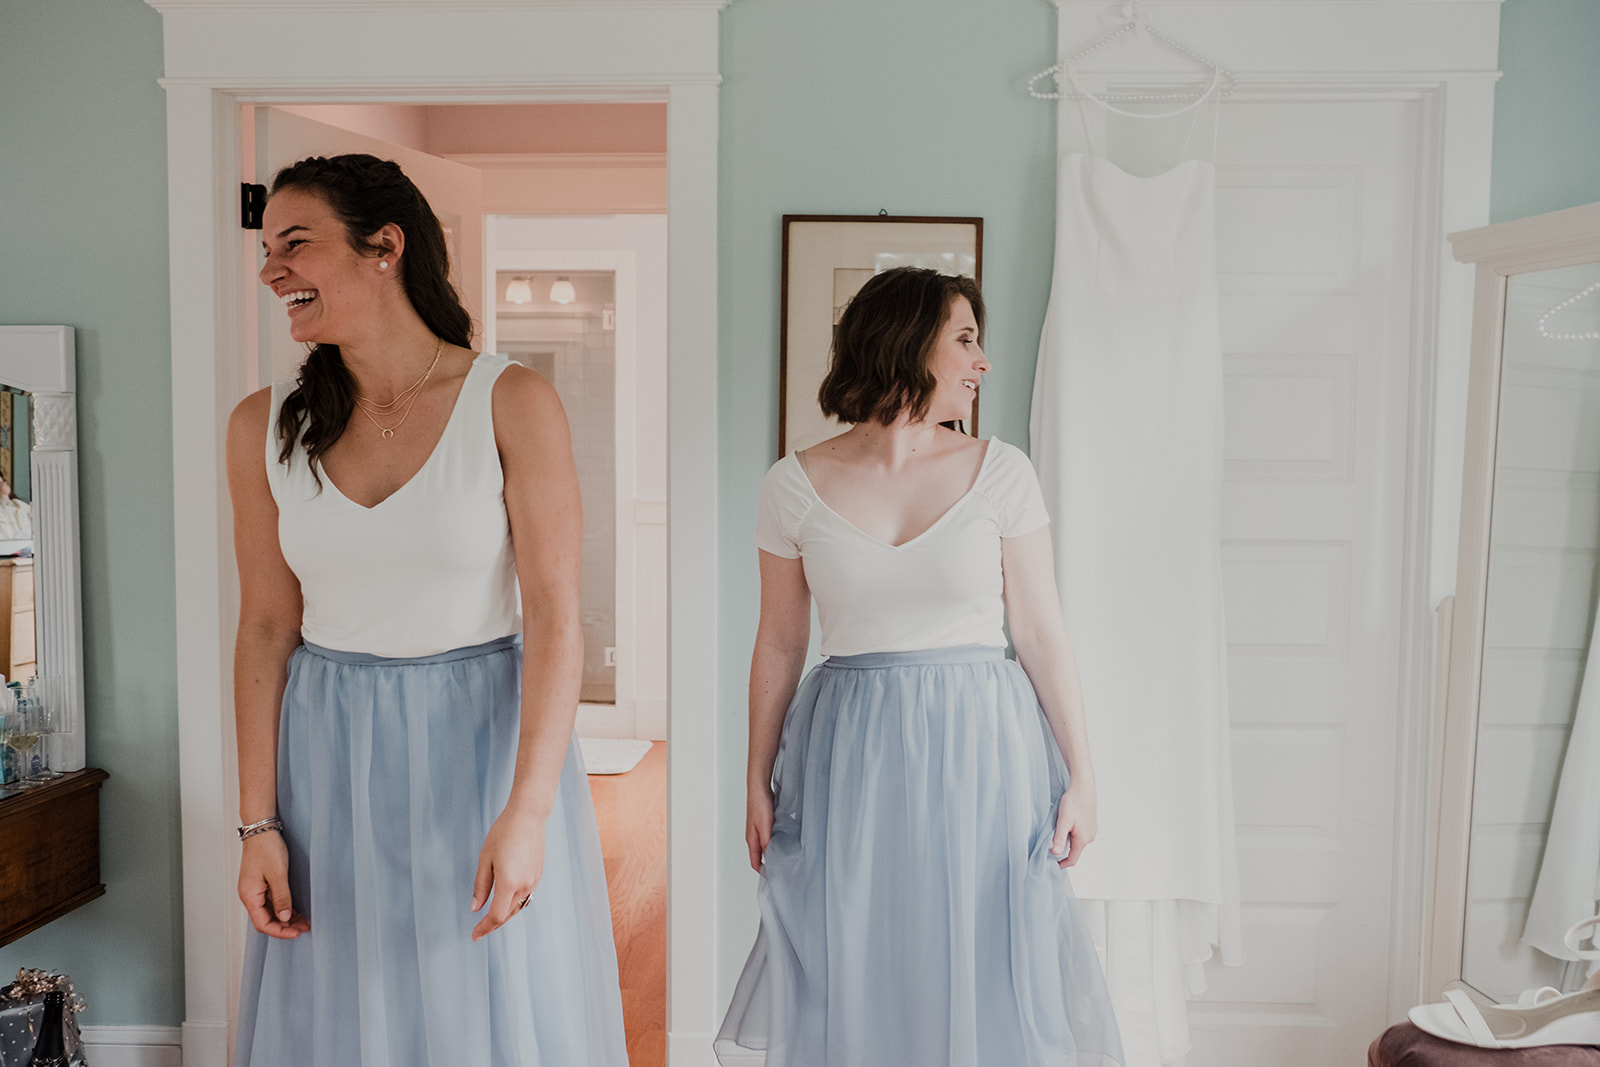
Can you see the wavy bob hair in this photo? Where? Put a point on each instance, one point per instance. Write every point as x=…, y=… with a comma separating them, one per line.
x=884, y=344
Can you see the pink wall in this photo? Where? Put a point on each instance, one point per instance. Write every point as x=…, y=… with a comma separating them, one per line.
x=575, y=190
x=537, y=128
x=501, y=129
x=633, y=183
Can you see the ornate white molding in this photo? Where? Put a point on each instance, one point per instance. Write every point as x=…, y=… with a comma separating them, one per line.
x=41, y=361
x=55, y=422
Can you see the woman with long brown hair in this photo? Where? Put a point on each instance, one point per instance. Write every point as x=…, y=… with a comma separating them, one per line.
x=420, y=860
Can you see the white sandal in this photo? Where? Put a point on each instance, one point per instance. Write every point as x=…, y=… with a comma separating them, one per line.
x=1541, y=1016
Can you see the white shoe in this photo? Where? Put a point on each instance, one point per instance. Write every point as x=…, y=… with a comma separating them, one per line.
x=1541, y=1016
x=1589, y=928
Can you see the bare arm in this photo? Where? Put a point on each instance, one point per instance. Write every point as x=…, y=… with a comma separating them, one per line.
x=775, y=666
x=546, y=514
x=1033, y=608
x=270, y=608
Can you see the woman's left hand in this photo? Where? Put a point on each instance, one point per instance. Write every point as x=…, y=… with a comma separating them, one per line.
x=1077, y=821
x=510, y=865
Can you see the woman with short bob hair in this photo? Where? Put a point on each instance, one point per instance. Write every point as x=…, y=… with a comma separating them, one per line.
x=420, y=861
x=914, y=802
x=884, y=343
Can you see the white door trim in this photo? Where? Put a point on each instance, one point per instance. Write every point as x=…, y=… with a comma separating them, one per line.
x=623, y=264
x=221, y=54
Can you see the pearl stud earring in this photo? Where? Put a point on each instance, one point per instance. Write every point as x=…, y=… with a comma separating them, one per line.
x=383, y=264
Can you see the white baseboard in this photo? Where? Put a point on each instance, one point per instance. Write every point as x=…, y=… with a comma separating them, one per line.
x=603, y=720
x=647, y=720
x=133, y=1046
x=688, y=1050
x=651, y=718
x=204, y=1044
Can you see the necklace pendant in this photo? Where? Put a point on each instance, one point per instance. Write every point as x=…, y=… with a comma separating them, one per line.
x=388, y=434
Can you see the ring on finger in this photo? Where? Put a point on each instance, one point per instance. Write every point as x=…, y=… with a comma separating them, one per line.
x=523, y=903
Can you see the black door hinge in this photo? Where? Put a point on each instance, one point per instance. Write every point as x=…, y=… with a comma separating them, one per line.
x=252, y=202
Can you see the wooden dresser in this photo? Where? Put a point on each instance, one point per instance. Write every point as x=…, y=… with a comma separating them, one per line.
x=49, y=851
x=17, y=646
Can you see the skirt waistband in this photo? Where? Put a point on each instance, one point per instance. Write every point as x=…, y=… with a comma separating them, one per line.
x=499, y=644
x=926, y=657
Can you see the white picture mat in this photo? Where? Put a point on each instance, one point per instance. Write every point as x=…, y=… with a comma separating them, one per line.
x=815, y=251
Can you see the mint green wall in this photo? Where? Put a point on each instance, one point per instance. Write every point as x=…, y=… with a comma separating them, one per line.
x=1546, y=122
x=844, y=107
x=83, y=243
x=829, y=106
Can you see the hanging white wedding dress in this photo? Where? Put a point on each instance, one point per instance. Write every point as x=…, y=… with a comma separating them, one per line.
x=1568, y=885
x=1127, y=440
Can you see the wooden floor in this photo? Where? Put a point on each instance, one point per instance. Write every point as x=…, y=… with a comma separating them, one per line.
x=632, y=812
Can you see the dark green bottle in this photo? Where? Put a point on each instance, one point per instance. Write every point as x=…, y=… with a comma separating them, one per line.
x=51, y=1049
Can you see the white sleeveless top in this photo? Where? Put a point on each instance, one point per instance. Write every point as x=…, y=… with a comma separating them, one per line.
x=427, y=570
x=940, y=589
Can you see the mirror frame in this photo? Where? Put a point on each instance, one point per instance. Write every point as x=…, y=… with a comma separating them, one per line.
x=1541, y=242
x=42, y=361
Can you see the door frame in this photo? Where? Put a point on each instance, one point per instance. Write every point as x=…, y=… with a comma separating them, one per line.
x=221, y=54
x=623, y=265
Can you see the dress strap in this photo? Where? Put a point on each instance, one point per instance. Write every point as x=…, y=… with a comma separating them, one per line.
x=276, y=471
x=1215, y=111
x=477, y=392
x=1088, y=131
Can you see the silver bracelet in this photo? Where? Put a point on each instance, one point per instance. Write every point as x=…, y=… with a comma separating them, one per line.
x=273, y=823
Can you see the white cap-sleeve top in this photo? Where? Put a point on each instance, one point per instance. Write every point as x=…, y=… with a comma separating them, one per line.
x=427, y=570
x=940, y=589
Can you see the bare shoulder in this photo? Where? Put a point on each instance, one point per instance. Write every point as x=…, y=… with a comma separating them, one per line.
x=528, y=416
x=842, y=448
x=964, y=444
x=247, y=426
x=253, y=408
x=524, y=391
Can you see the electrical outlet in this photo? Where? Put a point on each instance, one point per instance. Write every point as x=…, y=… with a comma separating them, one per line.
x=611, y=655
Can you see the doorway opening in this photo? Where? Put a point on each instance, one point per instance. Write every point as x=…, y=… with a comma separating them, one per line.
x=581, y=299
x=563, y=327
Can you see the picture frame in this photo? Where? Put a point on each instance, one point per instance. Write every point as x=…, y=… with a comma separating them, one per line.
x=826, y=259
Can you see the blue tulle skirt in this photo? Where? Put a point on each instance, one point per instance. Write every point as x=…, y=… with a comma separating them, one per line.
x=912, y=914
x=390, y=773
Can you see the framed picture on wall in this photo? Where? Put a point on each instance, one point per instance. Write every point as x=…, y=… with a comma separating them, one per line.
x=826, y=259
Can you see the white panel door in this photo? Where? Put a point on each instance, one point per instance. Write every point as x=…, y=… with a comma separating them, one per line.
x=1315, y=205
x=454, y=191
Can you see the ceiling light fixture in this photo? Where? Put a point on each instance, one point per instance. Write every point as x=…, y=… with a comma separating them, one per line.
x=518, y=291
x=562, y=292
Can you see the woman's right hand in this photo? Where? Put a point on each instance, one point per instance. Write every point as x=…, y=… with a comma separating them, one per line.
x=264, y=887
x=758, y=823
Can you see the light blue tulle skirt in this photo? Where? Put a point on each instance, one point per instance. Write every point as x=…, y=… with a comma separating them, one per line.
x=390, y=773
x=912, y=914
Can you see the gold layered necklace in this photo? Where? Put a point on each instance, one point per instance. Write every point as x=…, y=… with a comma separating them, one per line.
x=402, y=401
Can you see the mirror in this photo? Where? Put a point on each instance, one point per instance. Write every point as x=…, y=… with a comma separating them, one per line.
x=1544, y=542
x=41, y=614
x=18, y=639
x=1517, y=859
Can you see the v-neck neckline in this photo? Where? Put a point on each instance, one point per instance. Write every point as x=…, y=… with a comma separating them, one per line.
x=983, y=464
x=449, y=424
